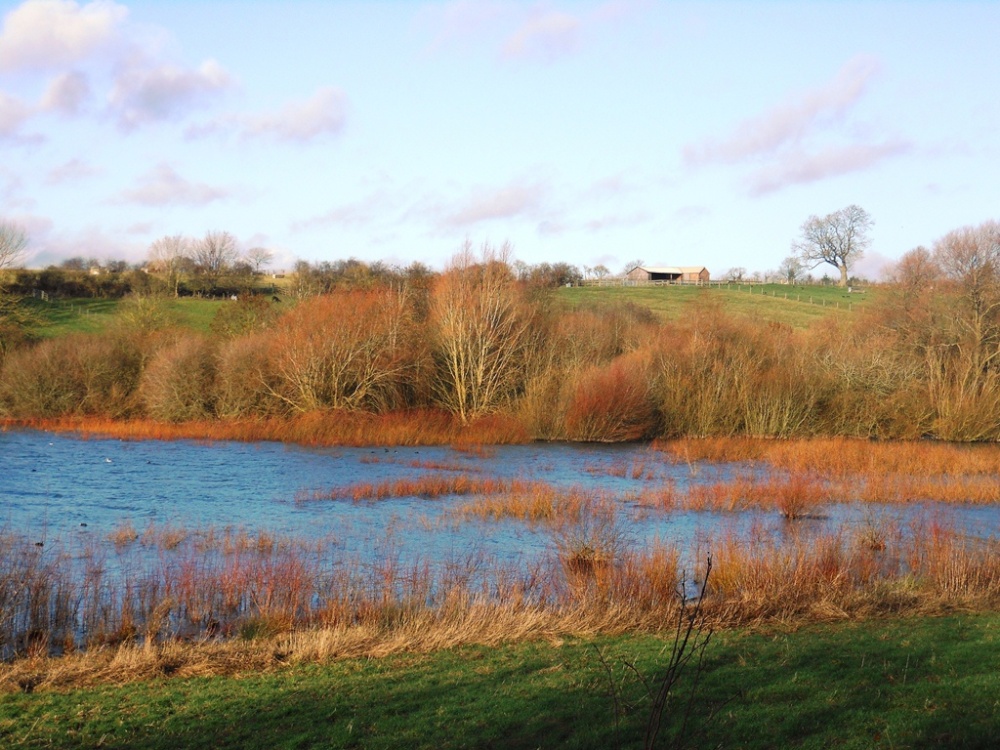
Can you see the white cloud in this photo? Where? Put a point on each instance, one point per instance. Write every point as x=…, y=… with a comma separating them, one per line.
x=49, y=246
x=162, y=186
x=790, y=122
x=363, y=212
x=13, y=114
x=831, y=162
x=516, y=200
x=71, y=171
x=149, y=94
x=67, y=93
x=324, y=113
x=47, y=34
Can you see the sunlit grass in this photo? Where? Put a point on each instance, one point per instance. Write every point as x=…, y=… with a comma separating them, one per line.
x=797, y=306
x=63, y=317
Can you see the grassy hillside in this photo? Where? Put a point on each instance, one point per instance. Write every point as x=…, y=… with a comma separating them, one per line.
x=60, y=317
x=909, y=683
x=797, y=306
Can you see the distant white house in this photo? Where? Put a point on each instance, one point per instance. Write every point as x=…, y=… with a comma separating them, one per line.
x=687, y=274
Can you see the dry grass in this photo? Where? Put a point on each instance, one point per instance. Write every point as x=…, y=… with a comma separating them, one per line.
x=427, y=487
x=355, y=428
x=256, y=602
x=535, y=502
x=841, y=456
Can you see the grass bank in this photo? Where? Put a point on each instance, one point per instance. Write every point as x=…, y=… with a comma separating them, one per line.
x=797, y=306
x=908, y=683
x=61, y=317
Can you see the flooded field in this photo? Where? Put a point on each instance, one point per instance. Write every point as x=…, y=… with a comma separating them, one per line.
x=99, y=533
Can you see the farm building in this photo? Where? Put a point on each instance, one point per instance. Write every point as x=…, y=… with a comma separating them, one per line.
x=683, y=274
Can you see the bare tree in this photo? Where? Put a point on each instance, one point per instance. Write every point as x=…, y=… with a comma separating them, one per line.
x=838, y=239
x=970, y=259
x=13, y=318
x=601, y=271
x=13, y=241
x=483, y=331
x=735, y=274
x=790, y=269
x=214, y=255
x=168, y=255
x=259, y=257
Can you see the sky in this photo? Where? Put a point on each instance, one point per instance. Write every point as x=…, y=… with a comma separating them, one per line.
x=591, y=133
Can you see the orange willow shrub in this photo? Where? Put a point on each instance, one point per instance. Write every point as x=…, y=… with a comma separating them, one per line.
x=613, y=403
x=485, y=331
x=244, y=383
x=347, y=350
x=719, y=375
x=178, y=382
x=576, y=341
x=870, y=387
x=73, y=375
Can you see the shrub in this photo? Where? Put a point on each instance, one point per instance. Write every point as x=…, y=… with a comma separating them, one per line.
x=613, y=403
x=177, y=384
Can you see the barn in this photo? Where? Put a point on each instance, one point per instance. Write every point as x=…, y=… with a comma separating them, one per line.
x=676, y=274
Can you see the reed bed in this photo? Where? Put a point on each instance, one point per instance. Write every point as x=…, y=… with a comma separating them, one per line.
x=843, y=457
x=325, y=428
x=534, y=503
x=190, y=609
x=427, y=487
x=800, y=494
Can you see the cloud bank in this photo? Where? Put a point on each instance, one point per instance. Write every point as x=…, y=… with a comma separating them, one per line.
x=791, y=121
x=51, y=34
x=162, y=186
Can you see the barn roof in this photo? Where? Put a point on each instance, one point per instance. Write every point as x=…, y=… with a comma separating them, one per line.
x=660, y=269
x=671, y=269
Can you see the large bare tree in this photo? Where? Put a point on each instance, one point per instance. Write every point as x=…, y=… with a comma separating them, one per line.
x=168, y=255
x=259, y=257
x=214, y=255
x=838, y=239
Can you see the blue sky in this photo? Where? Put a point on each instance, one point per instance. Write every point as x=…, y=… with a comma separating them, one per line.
x=699, y=133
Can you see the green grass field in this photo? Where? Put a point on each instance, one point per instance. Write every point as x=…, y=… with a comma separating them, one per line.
x=912, y=683
x=61, y=317
x=797, y=306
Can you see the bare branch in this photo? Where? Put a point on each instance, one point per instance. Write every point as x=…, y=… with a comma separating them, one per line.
x=13, y=241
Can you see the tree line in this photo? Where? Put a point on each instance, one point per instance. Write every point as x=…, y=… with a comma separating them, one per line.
x=478, y=339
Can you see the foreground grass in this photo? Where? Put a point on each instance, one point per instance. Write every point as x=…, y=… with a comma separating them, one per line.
x=919, y=682
x=796, y=306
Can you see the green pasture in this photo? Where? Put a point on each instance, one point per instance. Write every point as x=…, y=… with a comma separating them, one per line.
x=797, y=306
x=62, y=317
x=912, y=683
